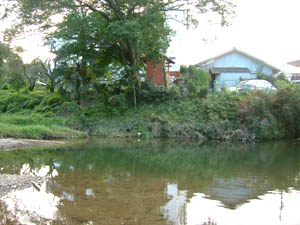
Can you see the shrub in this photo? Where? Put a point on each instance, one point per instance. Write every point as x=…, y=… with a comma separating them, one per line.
x=221, y=106
x=151, y=93
x=196, y=81
x=276, y=114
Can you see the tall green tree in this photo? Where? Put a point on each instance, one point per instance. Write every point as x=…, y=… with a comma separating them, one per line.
x=122, y=30
x=11, y=66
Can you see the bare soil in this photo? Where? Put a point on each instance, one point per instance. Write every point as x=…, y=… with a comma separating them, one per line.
x=13, y=144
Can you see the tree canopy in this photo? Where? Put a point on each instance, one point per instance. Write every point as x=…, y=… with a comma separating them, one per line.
x=86, y=33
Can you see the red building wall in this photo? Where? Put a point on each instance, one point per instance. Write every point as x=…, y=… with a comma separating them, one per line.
x=155, y=73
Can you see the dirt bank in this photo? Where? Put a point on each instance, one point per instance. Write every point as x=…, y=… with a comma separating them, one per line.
x=12, y=144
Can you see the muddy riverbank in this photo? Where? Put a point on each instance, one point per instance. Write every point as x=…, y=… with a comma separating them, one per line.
x=7, y=144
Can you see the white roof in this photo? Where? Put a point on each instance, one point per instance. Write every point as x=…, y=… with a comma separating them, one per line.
x=289, y=69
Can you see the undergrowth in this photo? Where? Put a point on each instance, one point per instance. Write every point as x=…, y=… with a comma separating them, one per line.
x=222, y=116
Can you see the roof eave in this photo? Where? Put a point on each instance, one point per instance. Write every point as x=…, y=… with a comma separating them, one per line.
x=275, y=69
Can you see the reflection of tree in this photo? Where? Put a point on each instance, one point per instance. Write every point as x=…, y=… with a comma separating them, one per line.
x=281, y=204
x=117, y=198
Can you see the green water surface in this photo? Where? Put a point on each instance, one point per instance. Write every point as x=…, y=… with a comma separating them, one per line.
x=117, y=181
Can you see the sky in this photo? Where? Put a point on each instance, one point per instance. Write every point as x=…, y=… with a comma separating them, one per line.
x=267, y=29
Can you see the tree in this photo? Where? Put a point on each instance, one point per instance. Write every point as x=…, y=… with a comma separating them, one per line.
x=5, y=51
x=196, y=80
x=33, y=72
x=122, y=30
x=53, y=73
x=11, y=66
x=75, y=47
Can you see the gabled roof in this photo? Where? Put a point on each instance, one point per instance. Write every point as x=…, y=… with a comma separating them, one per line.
x=237, y=51
x=289, y=69
x=294, y=63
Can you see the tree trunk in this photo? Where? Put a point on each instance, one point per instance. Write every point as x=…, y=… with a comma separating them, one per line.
x=134, y=95
x=31, y=85
x=52, y=86
x=77, y=92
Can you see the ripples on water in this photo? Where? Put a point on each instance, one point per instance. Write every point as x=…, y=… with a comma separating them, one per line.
x=130, y=182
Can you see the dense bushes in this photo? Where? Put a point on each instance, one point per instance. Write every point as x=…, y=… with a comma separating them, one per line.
x=196, y=81
x=154, y=94
x=161, y=113
x=275, y=115
x=221, y=116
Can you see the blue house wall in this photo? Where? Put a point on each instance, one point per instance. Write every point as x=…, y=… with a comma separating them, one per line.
x=230, y=68
x=235, y=59
x=232, y=79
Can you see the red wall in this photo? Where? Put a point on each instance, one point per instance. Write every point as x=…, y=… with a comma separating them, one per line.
x=155, y=72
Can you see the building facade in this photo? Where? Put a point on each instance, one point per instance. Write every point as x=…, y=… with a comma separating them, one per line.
x=229, y=68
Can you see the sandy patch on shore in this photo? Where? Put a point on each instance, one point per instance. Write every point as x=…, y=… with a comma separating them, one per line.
x=11, y=143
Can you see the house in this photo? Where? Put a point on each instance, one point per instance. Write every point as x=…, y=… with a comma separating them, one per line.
x=229, y=68
x=292, y=71
x=295, y=63
x=158, y=71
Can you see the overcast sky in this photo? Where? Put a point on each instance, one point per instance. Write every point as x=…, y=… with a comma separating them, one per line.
x=267, y=29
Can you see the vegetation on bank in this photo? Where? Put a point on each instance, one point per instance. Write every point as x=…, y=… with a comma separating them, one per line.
x=31, y=115
x=181, y=112
x=221, y=116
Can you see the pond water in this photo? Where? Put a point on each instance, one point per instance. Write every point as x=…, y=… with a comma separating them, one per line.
x=156, y=182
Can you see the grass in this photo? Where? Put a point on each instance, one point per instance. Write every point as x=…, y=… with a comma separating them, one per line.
x=36, y=126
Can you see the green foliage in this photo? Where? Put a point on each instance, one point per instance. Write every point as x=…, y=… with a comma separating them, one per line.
x=38, y=132
x=213, y=117
x=273, y=115
x=221, y=106
x=12, y=72
x=276, y=81
x=282, y=83
x=196, y=80
x=155, y=94
x=5, y=51
x=12, y=101
x=33, y=72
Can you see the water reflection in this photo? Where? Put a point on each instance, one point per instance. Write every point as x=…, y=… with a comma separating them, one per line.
x=31, y=206
x=275, y=207
x=44, y=171
x=159, y=183
x=175, y=209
